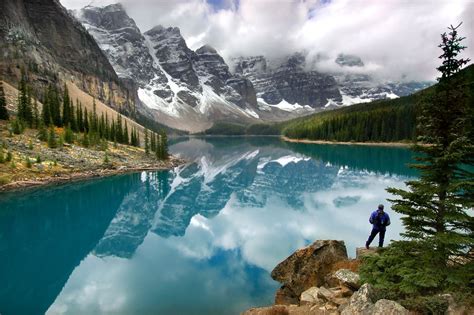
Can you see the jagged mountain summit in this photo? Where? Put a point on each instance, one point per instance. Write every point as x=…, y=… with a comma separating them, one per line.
x=186, y=89
x=191, y=90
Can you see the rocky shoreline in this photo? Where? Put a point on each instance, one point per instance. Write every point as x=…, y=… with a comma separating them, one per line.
x=320, y=279
x=381, y=144
x=58, y=179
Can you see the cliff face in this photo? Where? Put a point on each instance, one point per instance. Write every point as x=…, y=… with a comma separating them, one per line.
x=41, y=37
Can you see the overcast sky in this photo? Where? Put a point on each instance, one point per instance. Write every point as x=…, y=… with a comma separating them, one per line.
x=395, y=38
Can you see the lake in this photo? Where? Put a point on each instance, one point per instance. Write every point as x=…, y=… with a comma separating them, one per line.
x=199, y=239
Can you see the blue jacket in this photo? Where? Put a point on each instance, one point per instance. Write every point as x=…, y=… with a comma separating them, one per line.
x=379, y=221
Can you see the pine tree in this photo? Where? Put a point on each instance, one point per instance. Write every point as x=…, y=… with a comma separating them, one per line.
x=46, y=111
x=118, y=129
x=54, y=105
x=73, y=120
x=439, y=230
x=85, y=117
x=85, y=140
x=153, y=142
x=52, y=143
x=24, y=110
x=147, y=142
x=164, y=145
x=42, y=132
x=3, y=104
x=137, y=138
x=79, y=120
x=125, y=139
x=68, y=134
x=66, y=107
x=36, y=116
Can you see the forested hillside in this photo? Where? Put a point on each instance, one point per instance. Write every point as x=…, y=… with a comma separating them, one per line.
x=381, y=121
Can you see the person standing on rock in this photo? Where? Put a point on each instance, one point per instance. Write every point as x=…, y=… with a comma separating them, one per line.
x=379, y=220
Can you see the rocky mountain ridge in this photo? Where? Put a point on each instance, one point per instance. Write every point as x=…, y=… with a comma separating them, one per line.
x=191, y=90
x=52, y=47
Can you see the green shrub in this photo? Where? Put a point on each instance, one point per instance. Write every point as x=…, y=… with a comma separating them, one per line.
x=4, y=180
x=28, y=162
x=52, y=138
x=426, y=304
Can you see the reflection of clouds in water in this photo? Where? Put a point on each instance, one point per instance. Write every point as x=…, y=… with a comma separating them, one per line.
x=163, y=279
x=223, y=223
x=92, y=294
x=267, y=235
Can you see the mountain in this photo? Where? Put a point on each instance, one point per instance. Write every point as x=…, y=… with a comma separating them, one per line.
x=290, y=82
x=183, y=88
x=193, y=90
x=383, y=120
x=42, y=38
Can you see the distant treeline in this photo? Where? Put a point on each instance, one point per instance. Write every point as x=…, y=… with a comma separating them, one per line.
x=229, y=129
x=383, y=121
x=379, y=121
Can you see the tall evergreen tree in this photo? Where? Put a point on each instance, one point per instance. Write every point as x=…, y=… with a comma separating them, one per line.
x=147, y=142
x=79, y=121
x=36, y=115
x=125, y=139
x=3, y=104
x=46, y=111
x=66, y=107
x=164, y=145
x=119, y=129
x=153, y=142
x=86, y=120
x=24, y=111
x=54, y=105
x=437, y=208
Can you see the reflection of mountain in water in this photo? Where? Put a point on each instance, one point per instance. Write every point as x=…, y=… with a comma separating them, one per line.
x=112, y=217
x=134, y=217
x=66, y=224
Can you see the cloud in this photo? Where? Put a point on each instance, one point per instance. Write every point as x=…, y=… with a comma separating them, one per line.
x=398, y=38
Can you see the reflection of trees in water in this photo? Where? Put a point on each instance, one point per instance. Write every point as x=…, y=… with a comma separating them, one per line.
x=45, y=234
x=384, y=160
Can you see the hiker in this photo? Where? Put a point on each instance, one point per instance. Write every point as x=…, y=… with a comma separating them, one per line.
x=379, y=220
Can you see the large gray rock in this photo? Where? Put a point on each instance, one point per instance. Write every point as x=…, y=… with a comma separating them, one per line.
x=362, y=251
x=361, y=303
x=309, y=296
x=289, y=310
x=309, y=266
x=348, y=278
x=387, y=307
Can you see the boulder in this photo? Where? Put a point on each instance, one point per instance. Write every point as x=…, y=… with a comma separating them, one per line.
x=325, y=294
x=387, y=307
x=361, y=303
x=454, y=308
x=308, y=267
x=309, y=296
x=362, y=251
x=290, y=310
x=284, y=296
x=345, y=277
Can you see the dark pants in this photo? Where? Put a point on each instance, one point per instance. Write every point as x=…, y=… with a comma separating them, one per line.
x=373, y=234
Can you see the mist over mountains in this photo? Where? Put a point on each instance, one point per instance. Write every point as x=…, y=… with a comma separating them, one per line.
x=191, y=90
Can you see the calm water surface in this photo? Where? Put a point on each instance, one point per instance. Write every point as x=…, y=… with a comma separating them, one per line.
x=200, y=239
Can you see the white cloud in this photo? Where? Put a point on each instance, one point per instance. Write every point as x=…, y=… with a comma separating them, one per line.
x=396, y=37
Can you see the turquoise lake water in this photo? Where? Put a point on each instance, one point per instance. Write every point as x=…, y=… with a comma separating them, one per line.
x=199, y=239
